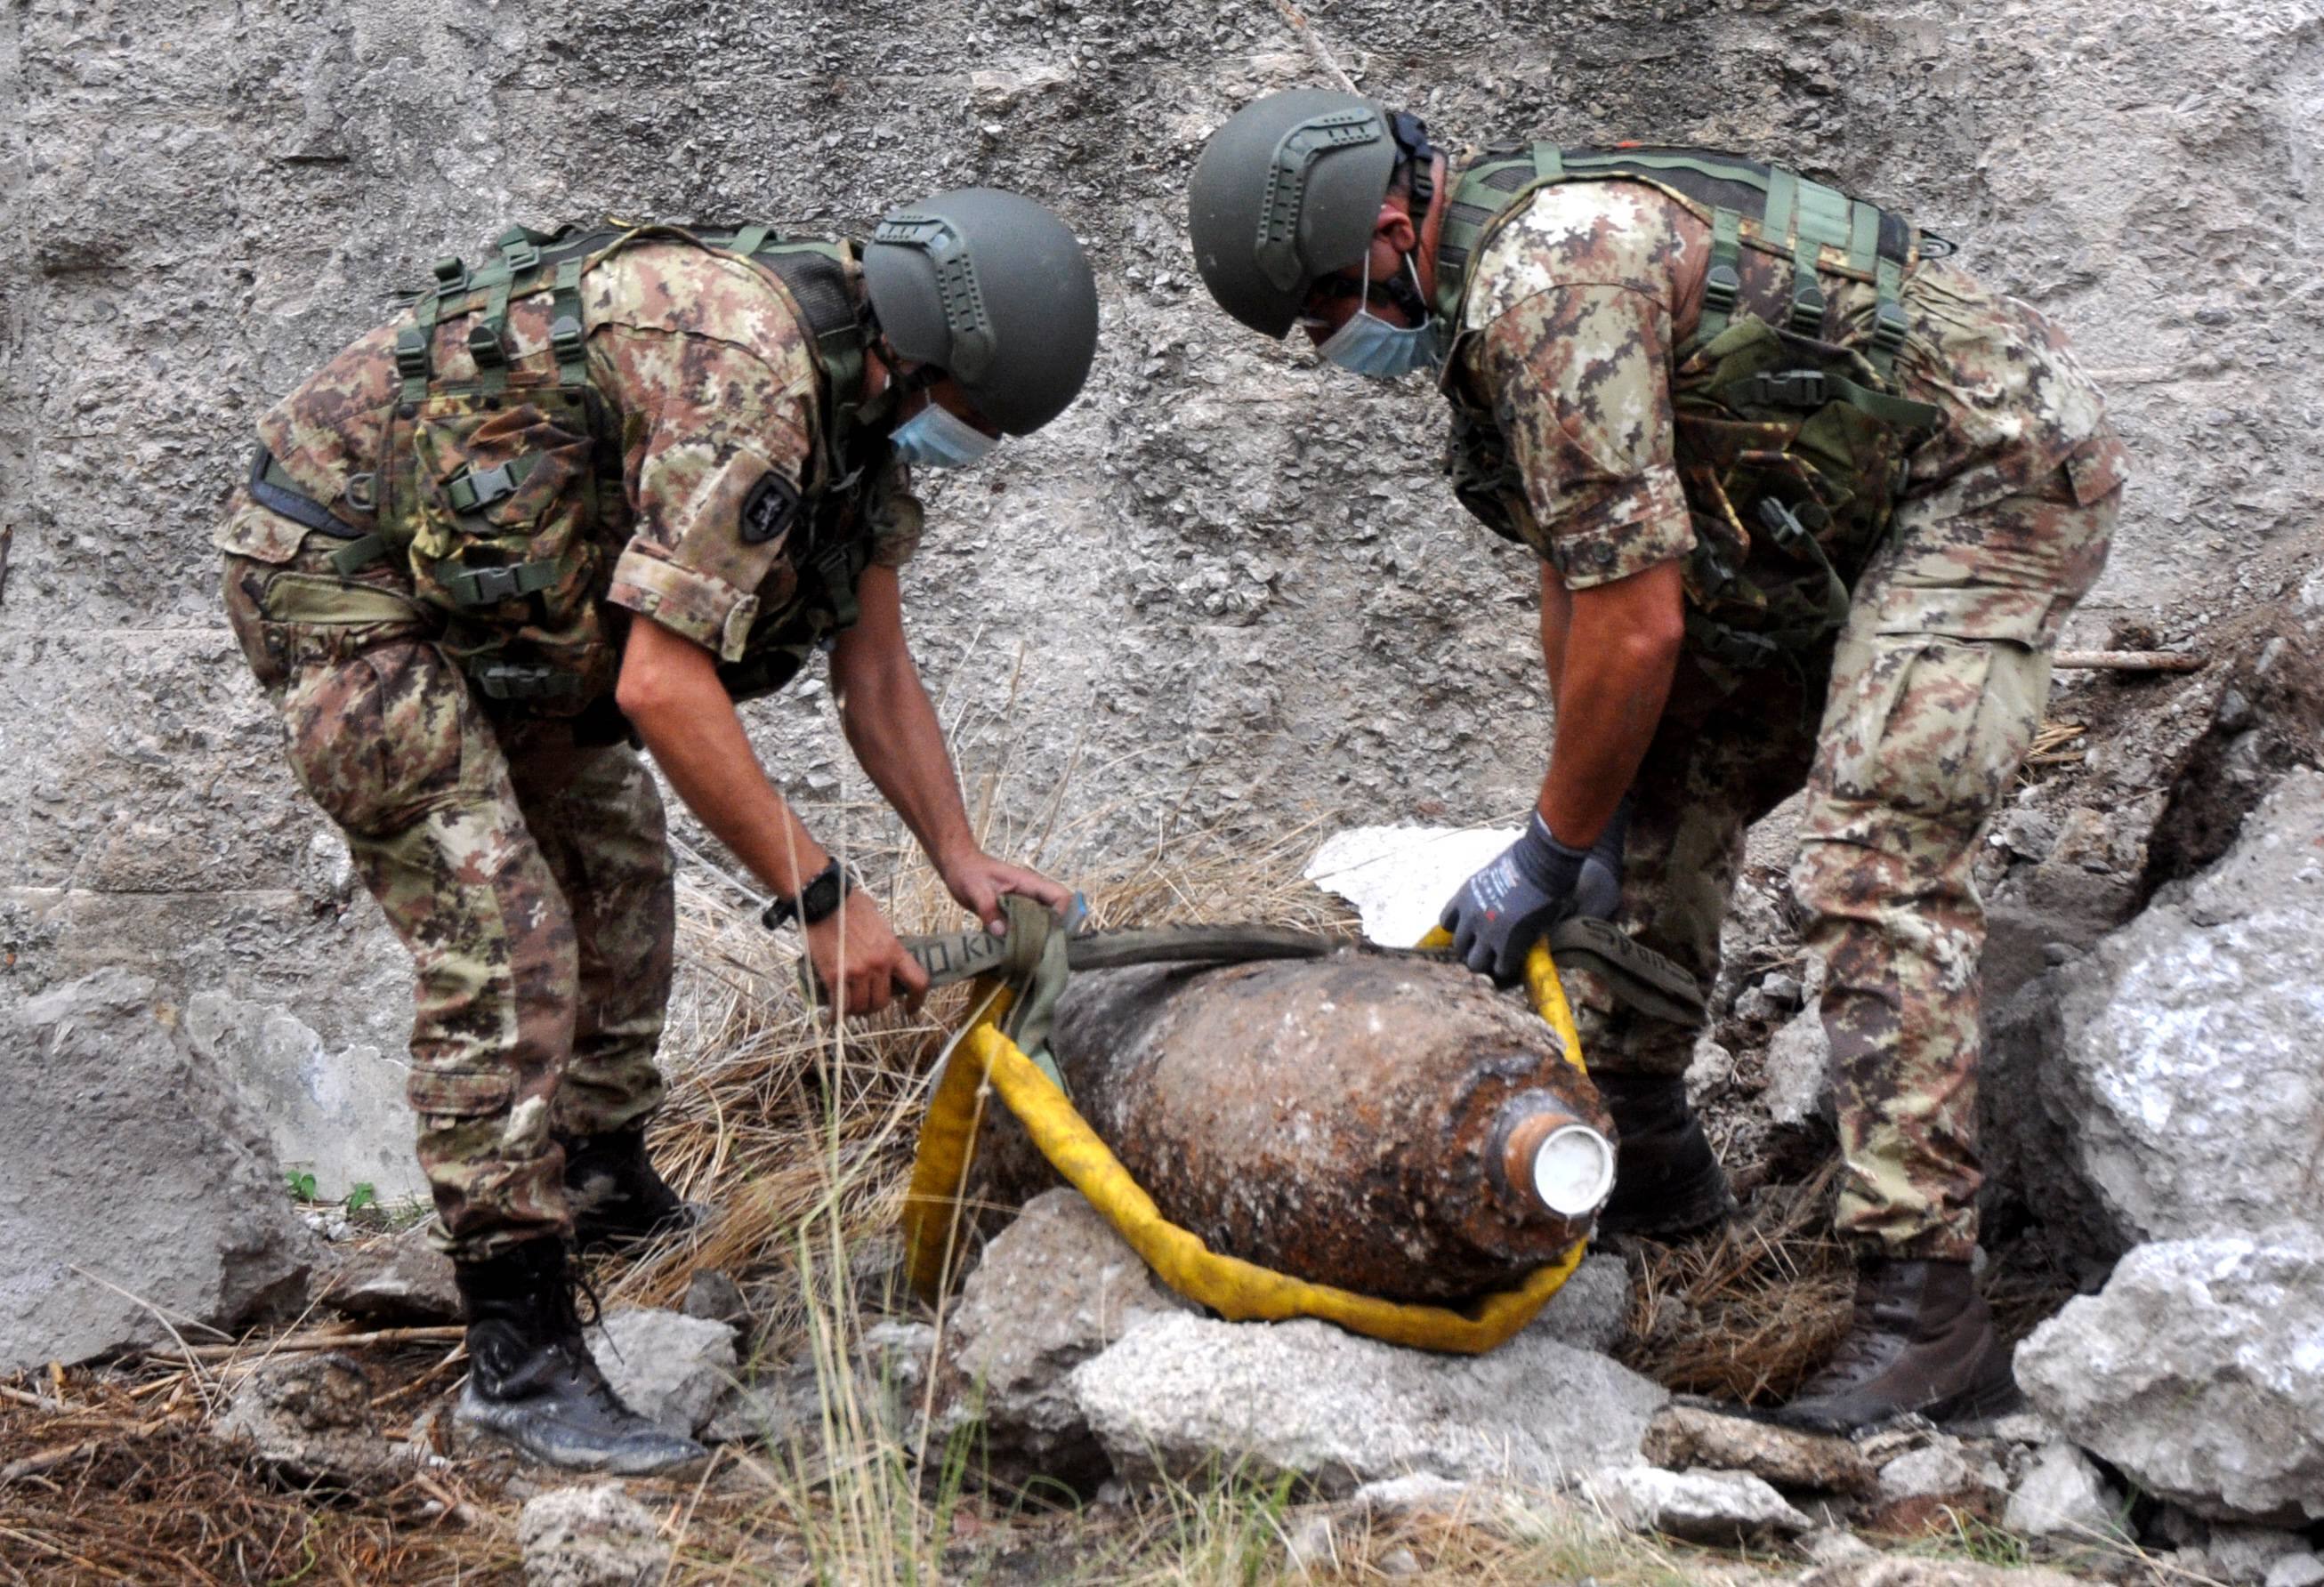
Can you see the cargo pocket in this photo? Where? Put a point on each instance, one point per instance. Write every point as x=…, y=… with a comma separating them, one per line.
x=379, y=738
x=2096, y=469
x=450, y=1094
x=1942, y=700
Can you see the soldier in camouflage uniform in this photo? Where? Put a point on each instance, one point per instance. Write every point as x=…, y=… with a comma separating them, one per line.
x=587, y=496
x=1811, y=506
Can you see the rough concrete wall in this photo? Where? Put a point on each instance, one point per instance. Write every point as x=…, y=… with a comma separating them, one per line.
x=1238, y=592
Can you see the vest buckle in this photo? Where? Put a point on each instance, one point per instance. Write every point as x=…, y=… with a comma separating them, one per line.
x=411, y=353
x=1722, y=289
x=1889, y=325
x=1786, y=388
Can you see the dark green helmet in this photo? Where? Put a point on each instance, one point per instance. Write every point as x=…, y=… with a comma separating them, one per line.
x=992, y=289
x=1288, y=191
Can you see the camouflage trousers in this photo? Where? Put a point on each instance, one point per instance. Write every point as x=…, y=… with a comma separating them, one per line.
x=1930, y=699
x=528, y=877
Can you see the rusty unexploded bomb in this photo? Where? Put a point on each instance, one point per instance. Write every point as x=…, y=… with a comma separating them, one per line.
x=1390, y=1126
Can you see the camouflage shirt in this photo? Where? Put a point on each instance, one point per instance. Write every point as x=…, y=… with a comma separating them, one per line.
x=1571, y=323
x=706, y=364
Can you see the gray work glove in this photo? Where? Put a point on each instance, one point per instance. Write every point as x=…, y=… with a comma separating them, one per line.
x=1598, y=896
x=1503, y=909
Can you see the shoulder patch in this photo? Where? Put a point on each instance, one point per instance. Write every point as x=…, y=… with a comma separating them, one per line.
x=769, y=510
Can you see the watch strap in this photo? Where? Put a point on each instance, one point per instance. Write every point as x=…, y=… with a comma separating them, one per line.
x=818, y=899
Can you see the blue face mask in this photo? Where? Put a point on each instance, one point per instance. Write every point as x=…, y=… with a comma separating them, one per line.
x=938, y=438
x=1372, y=346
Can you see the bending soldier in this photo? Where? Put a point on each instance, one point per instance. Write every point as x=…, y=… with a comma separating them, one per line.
x=1811, y=506
x=614, y=483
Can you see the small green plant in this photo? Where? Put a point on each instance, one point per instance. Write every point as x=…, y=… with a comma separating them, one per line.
x=361, y=1195
x=302, y=1185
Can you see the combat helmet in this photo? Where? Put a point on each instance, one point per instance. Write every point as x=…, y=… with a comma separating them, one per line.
x=994, y=290
x=1288, y=191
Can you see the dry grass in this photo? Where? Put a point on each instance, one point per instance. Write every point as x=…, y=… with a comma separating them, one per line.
x=144, y=1494
x=1744, y=1314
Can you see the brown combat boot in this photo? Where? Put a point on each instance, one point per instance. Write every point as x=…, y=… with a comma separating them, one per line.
x=1923, y=1341
x=1668, y=1181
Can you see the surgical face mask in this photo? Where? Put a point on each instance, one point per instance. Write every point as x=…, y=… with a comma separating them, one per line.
x=1369, y=346
x=938, y=438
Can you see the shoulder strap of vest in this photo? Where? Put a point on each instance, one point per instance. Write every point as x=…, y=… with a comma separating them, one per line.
x=838, y=336
x=1746, y=202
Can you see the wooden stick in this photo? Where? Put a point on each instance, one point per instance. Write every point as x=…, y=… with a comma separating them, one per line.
x=295, y=1342
x=2129, y=660
x=45, y=1459
x=39, y=1402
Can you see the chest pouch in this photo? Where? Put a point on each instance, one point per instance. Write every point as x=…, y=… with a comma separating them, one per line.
x=499, y=500
x=1791, y=456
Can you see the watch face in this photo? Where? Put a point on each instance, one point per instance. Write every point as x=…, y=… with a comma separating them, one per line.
x=822, y=896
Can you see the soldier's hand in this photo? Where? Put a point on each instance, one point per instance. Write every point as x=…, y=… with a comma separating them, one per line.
x=859, y=961
x=1598, y=893
x=977, y=881
x=1503, y=909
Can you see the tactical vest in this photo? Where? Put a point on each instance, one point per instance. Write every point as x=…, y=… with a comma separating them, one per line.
x=1791, y=449
x=503, y=494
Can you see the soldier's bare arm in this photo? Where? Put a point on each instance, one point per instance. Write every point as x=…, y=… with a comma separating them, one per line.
x=893, y=729
x=1579, y=384
x=1620, y=652
x=669, y=691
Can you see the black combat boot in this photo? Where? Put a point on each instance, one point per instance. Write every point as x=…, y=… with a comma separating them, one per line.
x=1668, y=1181
x=531, y=1379
x=617, y=1198
x=1922, y=1340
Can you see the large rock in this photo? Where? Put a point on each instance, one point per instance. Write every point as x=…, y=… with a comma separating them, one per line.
x=1181, y=1395
x=791, y=1406
x=1053, y=1289
x=590, y=1537
x=2063, y=1495
x=2165, y=1085
x=1728, y=1509
x=1902, y=1571
x=133, y=1184
x=1059, y=1287
x=1688, y=1435
x=401, y=1279
x=2199, y=1373
x=338, y=1115
x=310, y=1417
x=672, y=1369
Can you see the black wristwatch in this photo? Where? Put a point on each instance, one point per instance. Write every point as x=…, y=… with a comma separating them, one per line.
x=815, y=902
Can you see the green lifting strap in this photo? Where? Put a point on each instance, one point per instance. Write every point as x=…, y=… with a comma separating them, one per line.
x=489, y=586
x=751, y=239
